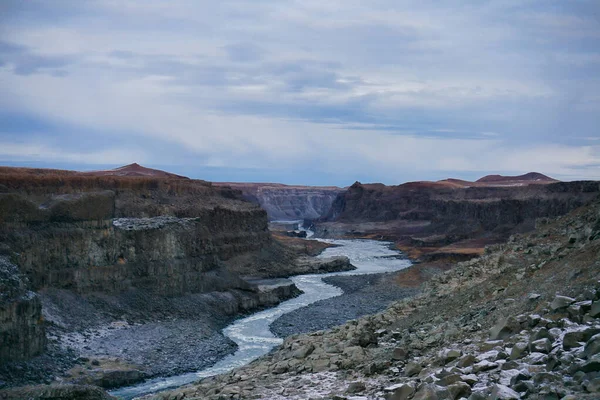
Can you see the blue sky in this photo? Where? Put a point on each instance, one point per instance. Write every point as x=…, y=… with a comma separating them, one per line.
x=303, y=92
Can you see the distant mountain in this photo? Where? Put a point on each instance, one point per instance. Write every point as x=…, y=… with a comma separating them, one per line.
x=531, y=177
x=135, y=170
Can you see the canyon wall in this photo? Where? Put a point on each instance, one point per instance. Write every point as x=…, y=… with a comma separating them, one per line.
x=22, y=333
x=287, y=203
x=436, y=208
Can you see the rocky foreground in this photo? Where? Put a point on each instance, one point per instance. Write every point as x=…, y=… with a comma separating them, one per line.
x=521, y=321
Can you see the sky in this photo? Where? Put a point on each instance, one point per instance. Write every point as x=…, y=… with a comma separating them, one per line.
x=305, y=91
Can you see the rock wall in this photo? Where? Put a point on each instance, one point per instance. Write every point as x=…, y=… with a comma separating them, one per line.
x=22, y=334
x=287, y=203
x=463, y=211
x=172, y=241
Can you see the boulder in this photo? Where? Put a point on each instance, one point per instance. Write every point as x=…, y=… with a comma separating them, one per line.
x=561, y=302
x=505, y=328
x=595, y=310
x=541, y=346
x=412, y=369
x=592, y=346
x=501, y=392
x=518, y=350
x=459, y=390
x=399, y=392
x=356, y=387
x=399, y=354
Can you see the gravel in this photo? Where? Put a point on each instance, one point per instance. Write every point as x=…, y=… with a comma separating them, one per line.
x=363, y=295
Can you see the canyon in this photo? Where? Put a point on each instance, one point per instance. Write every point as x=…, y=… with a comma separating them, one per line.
x=288, y=202
x=85, y=251
x=99, y=262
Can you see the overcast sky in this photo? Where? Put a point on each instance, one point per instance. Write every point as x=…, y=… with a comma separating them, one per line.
x=303, y=92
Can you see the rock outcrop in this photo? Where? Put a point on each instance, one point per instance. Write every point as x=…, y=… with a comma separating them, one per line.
x=288, y=203
x=22, y=333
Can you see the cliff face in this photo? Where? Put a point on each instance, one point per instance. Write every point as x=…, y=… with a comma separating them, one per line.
x=175, y=240
x=22, y=333
x=451, y=213
x=287, y=203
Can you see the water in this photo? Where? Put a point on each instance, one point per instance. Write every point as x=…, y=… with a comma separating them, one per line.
x=252, y=334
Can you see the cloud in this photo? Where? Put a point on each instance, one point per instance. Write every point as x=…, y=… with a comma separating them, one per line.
x=385, y=89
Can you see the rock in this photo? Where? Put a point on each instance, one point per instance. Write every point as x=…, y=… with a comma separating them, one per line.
x=449, y=355
x=459, y=390
x=57, y=392
x=501, y=392
x=449, y=379
x=518, y=350
x=412, y=369
x=522, y=375
x=595, y=310
x=592, y=346
x=356, y=387
x=304, y=351
x=533, y=296
x=399, y=354
x=592, y=386
x=466, y=361
x=541, y=346
x=484, y=365
x=561, y=302
x=589, y=366
x=575, y=339
x=505, y=328
x=109, y=379
x=399, y=392
x=427, y=392
x=533, y=320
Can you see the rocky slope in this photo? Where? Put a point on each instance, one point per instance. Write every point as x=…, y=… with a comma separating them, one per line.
x=521, y=321
x=288, y=203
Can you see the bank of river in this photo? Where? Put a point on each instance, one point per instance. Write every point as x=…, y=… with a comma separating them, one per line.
x=253, y=334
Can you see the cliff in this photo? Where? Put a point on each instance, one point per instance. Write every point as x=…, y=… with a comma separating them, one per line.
x=446, y=217
x=287, y=203
x=22, y=333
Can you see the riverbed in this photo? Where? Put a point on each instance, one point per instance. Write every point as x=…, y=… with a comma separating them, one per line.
x=253, y=334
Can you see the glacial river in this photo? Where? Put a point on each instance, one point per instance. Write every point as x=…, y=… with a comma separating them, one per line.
x=253, y=335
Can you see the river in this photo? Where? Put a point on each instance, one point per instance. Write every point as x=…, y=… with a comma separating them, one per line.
x=252, y=333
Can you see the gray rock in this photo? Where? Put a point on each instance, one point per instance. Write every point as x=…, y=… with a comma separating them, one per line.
x=518, y=350
x=399, y=392
x=459, y=390
x=592, y=386
x=399, y=354
x=595, y=310
x=427, y=392
x=501, y=392
x=412, y=369
x=541, y=346
x=561, y=302
x=592, y=346
x=505, y=328
x=466, y=361
x=304, y=351
x=356, y=387
x=484, y=365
